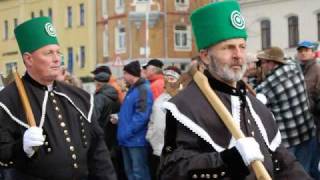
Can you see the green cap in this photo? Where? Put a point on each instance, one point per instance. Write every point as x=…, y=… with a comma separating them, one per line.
x=217, y=22
x=35, y=33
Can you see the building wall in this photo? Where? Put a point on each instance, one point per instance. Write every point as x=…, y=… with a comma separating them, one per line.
x=277, y=11
x=75, y=36
x=161, y=34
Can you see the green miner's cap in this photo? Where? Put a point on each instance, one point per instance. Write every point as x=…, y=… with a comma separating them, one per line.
x=35, y=33
x=217, y=22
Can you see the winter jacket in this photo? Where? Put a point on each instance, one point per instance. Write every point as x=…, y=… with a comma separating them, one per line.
x=134, y=115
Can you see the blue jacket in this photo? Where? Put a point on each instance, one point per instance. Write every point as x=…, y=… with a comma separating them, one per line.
x=134, y=115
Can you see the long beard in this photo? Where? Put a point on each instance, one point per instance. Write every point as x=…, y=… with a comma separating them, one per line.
x=225, y=72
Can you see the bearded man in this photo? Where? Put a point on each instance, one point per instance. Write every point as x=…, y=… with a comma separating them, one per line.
x=197, y=143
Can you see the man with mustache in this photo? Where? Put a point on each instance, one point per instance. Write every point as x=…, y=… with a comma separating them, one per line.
x=67, y=142
x=197, y=143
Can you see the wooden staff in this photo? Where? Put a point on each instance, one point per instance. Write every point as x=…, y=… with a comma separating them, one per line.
x=24, y=99
x=202, y=82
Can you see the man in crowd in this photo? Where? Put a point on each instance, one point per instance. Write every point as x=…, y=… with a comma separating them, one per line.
x=284, y=87
x=157, y=123
x=154, y=74
x=311, y=71
x=133, y=121
x=67, y=141
x=197, y=143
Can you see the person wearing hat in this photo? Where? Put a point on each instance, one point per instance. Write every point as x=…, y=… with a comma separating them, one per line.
x=132, y=123
x=153, y=72
x=67, y=142
x=306, y=55
x=112, y=80
x=197, y=143
x=284, y=87
x=156, y=125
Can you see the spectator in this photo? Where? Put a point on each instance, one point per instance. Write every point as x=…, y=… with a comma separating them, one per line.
x=287, y=97
x=154, y=74
x=133, y=121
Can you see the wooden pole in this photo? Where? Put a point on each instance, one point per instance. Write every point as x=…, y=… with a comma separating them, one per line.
x=202, y=82
x=24, y=100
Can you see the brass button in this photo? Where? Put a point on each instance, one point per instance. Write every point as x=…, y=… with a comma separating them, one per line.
x=66, y=132
x=71, y=148
x=80, y=117
x=63, y=124
x=51, y=94
x=49, y=149
x=75, y=165
x=202, y=176
x=59, y=116
x=84, y=137
x=68, y=139
x=82, y=130
x=214, y=176
x=57, y=108
x=223, y=173
x=10, y=162
x=82, y=123
x=194, y=176
x=252, y=133
x=46, y=143
x=74, y=156
x=54, y=101
x=208, y=176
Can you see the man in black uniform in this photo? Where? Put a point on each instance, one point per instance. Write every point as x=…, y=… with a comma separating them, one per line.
x=67, y=142
x=197, y=143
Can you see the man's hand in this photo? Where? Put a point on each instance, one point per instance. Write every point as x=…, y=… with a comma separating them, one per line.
x=249, y=150
x=32, y=137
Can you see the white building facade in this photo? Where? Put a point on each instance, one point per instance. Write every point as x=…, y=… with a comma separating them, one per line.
x=281, y=23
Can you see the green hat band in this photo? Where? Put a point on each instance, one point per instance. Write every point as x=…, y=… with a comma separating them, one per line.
x=35, y=33
x=217, y=22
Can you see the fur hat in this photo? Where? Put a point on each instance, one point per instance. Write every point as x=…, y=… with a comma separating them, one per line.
x=133, y=68
x=272, y=54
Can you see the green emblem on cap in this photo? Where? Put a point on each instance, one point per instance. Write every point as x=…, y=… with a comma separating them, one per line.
x=50, y=30
x=237, y=20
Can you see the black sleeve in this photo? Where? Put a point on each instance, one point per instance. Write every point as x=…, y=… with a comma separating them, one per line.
x=286, y=166
x=99, y=162
x=183, y=157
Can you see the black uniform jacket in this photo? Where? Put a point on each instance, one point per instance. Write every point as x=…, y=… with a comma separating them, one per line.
x=199, y=146
x=74, y=148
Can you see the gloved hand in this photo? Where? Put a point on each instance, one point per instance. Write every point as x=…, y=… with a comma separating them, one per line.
x=32, y=137
x=249, y=150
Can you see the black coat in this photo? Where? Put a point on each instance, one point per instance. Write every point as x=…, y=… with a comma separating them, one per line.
x=74, y=147
x=192, y=154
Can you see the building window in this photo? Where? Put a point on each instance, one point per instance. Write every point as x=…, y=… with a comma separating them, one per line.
x=182, y=4
x=182, y=37
x=142, y=1
x=6, y=30
x=50, y=13
x=69, y=16
x=10, y=66
x=41, y=13
x=119, y=6
x=265, y=34
x=293, y=26
x=105, y=43
x=82, y=55
x=120, y=35
x=81, y=14
x=70, y=60
x=318, y=23
x=32, y=14
x=15, y=22
x=104, y=7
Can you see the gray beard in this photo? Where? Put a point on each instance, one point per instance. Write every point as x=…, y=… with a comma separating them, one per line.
x=225, y=72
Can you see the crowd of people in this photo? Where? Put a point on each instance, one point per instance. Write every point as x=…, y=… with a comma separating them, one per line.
x=164, y=125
